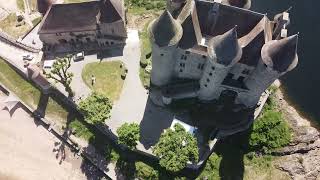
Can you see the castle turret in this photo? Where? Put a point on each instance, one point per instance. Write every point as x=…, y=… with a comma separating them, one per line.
x=224, y=51
x=245, y=4
x=277, y=58
x=165, y=33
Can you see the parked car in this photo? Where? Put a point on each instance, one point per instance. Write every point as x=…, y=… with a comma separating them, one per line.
x=27, y=57
x=78, y=57
x=47, y=65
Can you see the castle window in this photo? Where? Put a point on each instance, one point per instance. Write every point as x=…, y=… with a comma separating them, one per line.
x=88, y=39
x=204, y=57
x=112, y=31
x=182, y=64
x=212, y=68
x=210, y=74
x=208, y=80
x=111, y=42
x=246, y=71
x=240, y=79
x=202, y=65
x=181, y=70
x=205, y=85
x=62, y=41
x=199, y=66
x=187, y=52
x=161, y=54
x=107, y=43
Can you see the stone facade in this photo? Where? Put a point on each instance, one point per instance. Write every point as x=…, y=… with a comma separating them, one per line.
x=228, y=51
x=95, y=25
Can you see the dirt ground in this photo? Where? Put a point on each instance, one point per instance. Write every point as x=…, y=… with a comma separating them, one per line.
x=28, y=151
x=10, y=5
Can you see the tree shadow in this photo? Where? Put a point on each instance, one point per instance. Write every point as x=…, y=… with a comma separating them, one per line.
x=232, y=150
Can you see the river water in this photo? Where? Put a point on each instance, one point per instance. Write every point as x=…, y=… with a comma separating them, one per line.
x=302, y=85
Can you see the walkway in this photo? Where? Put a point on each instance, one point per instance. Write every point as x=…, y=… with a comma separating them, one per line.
x=131, y=105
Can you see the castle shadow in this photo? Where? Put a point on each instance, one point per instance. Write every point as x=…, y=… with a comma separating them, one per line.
x=232, y=150
x=155, y=120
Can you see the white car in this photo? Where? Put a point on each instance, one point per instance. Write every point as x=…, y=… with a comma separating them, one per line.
x=79, y=56
x=47, y=65
x=27, y=57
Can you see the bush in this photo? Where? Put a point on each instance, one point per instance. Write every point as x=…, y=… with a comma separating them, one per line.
x=143, y=63
x=144, y=172
x=96, y=108
x=175, y=148
x=80, y=130
x=129, y=134
x=269, y=132
x=211, y=170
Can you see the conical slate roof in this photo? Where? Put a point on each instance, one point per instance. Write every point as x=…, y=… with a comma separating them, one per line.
x=281, y=55
x=165, y=30
x=225, y=47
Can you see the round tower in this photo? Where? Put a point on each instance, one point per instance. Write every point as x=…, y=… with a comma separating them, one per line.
x=224, y=51
x=277, y=58
x=44, y=5
x=245, y=4
x=165, y=33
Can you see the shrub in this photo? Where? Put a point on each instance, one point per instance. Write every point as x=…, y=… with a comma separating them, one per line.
x=175, y=148
x=143, y=63
x=269, y=132
x=211, y=170
x=95, y=108
x=144, y=172
x=80, y=130
x=129, y=134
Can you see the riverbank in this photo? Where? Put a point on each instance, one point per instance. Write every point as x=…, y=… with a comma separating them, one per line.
x=301, y=158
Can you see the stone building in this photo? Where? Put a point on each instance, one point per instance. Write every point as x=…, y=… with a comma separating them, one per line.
x=87, y=26
x=212, y=50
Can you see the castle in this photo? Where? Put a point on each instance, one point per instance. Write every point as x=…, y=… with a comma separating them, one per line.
x=86, y=26
x=213, y=50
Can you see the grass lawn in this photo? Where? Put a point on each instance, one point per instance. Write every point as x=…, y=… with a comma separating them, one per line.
x=20, y=4
x=8, y=25
x=108, y=78
x=28, y=93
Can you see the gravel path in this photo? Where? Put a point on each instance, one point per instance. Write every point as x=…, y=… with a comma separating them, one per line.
x=131, y=105
x=28, y=151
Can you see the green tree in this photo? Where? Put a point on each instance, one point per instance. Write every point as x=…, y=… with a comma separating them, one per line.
x=59, y=73
x=129, y=134
x=175, y=148
x=145, y=172
x=269, y=132
x=211, y=170
x=96, y=108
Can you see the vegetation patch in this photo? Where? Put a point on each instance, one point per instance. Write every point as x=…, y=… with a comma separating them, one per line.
x=108, y=77
x=80, y=130
x=20, y=4
x=11, y=26
x=36, y=21
x=95, y=108
x=146, y=59
x=137, y=6
x=28, y=93
x=175, y=148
